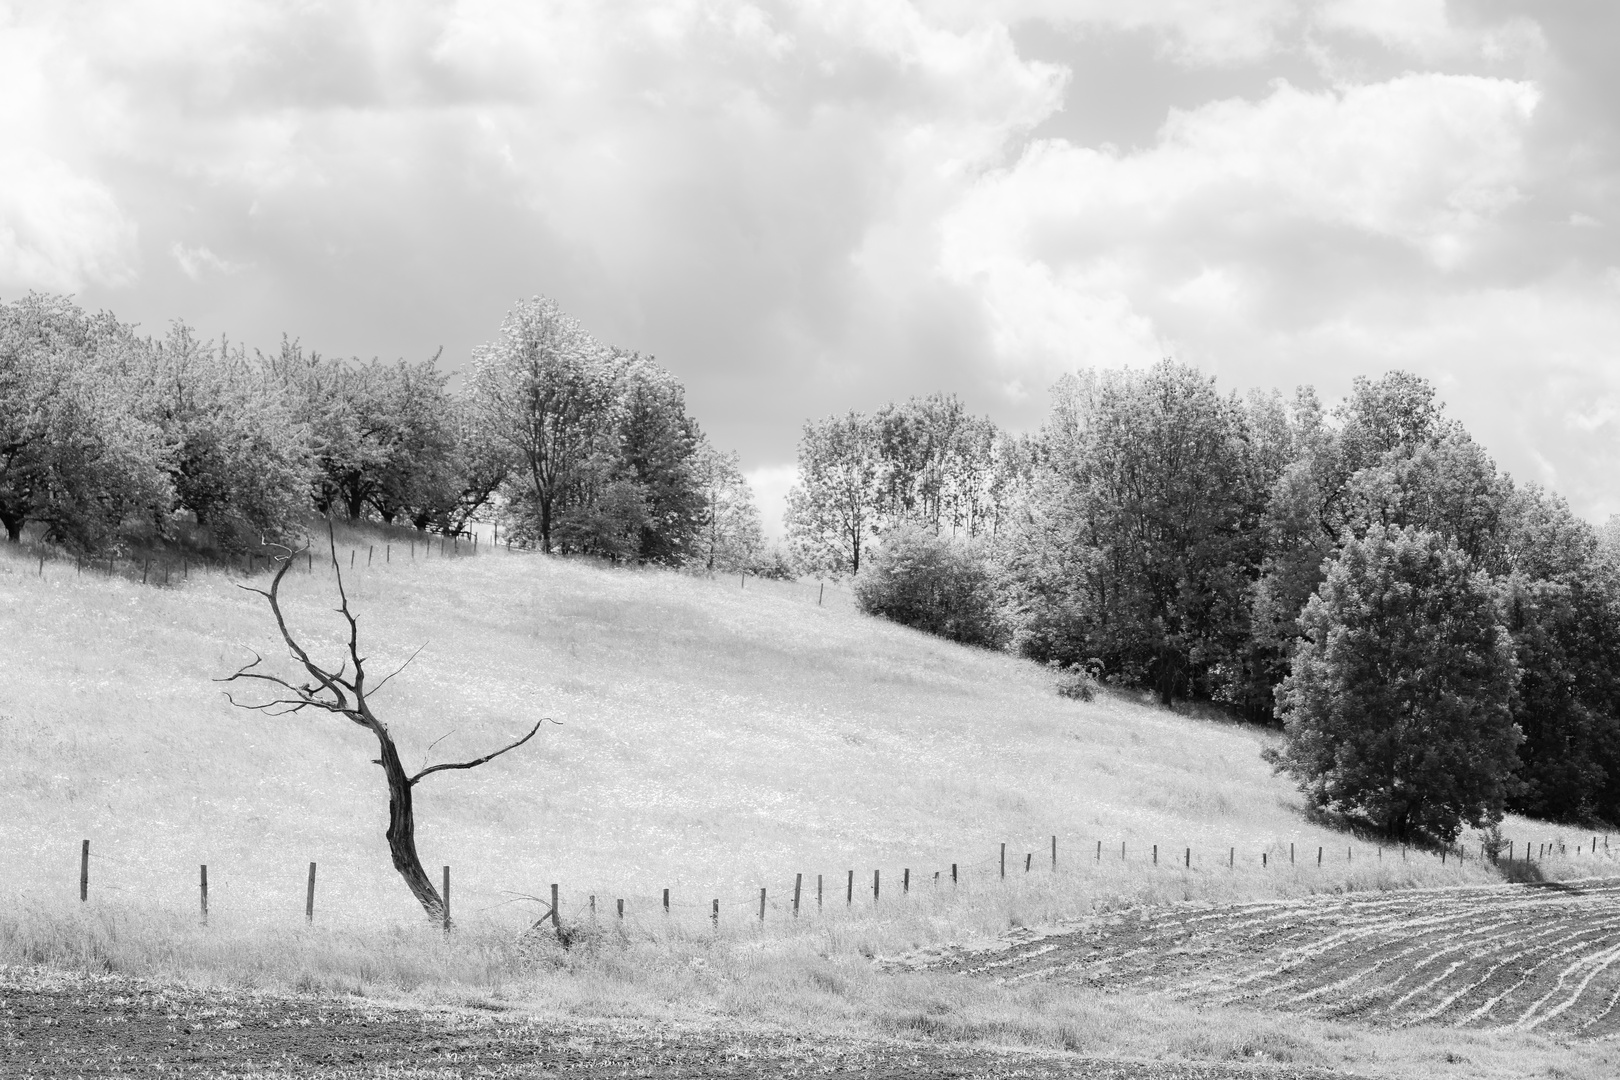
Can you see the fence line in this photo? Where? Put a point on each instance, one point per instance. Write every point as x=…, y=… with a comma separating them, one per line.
x=992, y=869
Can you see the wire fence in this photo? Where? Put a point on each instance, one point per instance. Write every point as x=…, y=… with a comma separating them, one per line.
x=171, y=568
x=1054, y=863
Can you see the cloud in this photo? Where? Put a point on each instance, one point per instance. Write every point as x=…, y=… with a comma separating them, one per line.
x=1425, y=29
x=194, y=261
x=1074, y=251
x=771, y=484
x=1194, y=32
x=60, y=225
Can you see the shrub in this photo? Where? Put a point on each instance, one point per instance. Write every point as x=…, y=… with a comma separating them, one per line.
x=935, y=584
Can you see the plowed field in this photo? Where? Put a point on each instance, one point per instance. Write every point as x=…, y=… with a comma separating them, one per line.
x=1531, y=957
x=58, y=1026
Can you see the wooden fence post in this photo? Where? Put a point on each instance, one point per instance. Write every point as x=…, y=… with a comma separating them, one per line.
x=447, y=899
x=762, y=904
x=205, y=894
x=1054, y=852
x=905, y=881
x=1290, y=853
x=1029, y=860
x=84, y=872
x=1189, y=858
x=1155, y=854
x=877, y=884
x=556, y=919
x=1099, y=851
x=1231, y=859
x=798, y=880
x=1318, y=856
x=821, y=593
x=1003, y=862
x=849, y=897
x=666, y=901
x=621, y=910
x=371, y=550
x=818, y=892
x=309, y=897
x=953, y=873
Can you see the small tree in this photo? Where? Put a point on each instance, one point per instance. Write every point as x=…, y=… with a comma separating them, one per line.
x=1398, y=706
x=344, y=693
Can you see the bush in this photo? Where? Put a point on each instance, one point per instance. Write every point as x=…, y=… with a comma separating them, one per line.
x=935, y=584
x=1077, y=681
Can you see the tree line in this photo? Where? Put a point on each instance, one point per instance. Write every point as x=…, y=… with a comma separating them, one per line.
x=1439, y=643
x=571, y=445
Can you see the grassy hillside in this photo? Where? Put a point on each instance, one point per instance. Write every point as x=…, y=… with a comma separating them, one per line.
x=713, y=740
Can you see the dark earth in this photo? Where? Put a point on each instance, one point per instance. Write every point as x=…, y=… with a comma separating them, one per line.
x=54, y=1024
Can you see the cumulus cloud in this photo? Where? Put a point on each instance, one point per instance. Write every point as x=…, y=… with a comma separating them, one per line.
x=806, y=206
x=1070, y=244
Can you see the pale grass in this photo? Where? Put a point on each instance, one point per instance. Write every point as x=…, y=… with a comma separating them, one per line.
x=714, y=739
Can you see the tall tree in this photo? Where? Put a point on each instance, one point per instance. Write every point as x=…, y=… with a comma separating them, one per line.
x=1143, y=543
x=833, y=511
x=656, y=443
x=544, y=387
x=236, y=459
x=1398, y=708
x=730, y=537
x=75, y=452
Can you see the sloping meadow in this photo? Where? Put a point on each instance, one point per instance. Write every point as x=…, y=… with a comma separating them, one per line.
x=711, y=739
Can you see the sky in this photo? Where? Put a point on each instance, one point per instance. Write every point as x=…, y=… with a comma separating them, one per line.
x=807, y=208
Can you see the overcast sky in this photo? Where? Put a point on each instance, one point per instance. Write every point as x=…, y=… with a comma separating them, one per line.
x=806, y=208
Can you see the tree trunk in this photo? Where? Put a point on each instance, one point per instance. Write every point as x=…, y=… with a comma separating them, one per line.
x=13, y=527
x=402, y=831
x=545, y=524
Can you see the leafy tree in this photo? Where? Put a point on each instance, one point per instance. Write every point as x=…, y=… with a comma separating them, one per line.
x=1139, y=543
x=834, y=510
x=657, y=443
x=75, y=453
x=1561, y=604
x=1347, y=470
x=235, y=458
x=476, y=468
x=1398, y=708
x=414, y=424
x=544, y=387
x=934, y=583
x=730, y=537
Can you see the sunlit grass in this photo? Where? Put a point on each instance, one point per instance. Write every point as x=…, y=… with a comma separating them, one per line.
x=713, y=739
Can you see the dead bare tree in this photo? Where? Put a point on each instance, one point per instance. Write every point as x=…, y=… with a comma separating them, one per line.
x=345, y=694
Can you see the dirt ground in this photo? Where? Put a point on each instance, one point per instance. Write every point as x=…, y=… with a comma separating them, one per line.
x=1536, y=957
x=63, y=1025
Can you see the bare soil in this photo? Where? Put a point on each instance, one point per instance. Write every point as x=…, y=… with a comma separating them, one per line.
x=1531, y=957
x=54, y=1024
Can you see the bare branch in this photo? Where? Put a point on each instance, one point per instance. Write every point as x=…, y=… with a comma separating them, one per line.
x=487, y=757
x=399, y=669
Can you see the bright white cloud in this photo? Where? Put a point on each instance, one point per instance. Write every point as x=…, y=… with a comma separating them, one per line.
x=771, y=484
x=1068, y=245
x=1424, y=28
x=1197, y=32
